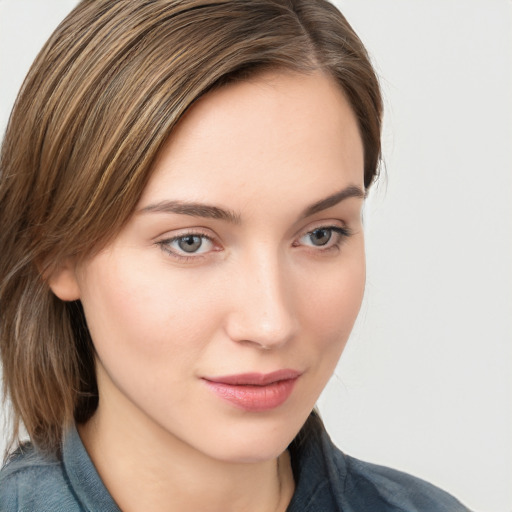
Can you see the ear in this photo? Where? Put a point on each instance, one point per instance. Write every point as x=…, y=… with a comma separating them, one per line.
x=63, y=282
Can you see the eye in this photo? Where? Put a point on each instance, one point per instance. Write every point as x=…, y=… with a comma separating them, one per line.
x=325, y=237
x=190, y=243
x=187, y=245
x=320, y=236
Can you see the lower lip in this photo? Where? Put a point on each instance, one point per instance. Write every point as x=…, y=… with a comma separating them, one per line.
x=254, y=398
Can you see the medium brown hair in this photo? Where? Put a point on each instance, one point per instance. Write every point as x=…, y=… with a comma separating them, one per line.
x=98, y=103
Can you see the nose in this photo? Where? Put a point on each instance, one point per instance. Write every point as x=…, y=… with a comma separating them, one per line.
x=262, y=310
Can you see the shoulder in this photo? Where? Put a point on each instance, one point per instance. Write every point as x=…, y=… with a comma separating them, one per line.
x=32, y=481
x=370, y=485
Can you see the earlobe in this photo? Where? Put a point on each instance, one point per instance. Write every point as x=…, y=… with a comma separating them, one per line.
x=63, y=282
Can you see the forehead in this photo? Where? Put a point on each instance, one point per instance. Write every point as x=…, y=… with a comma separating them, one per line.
x=280, y=134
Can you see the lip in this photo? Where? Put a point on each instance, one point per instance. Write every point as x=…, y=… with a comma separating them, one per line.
x=254, y=391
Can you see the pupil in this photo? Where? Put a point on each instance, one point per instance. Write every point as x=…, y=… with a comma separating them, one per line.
x=190, y=243
x=320, y=236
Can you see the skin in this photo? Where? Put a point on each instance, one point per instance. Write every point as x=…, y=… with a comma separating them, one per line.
x=260, y=296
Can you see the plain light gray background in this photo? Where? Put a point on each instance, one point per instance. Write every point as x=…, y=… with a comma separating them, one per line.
x=425, y=384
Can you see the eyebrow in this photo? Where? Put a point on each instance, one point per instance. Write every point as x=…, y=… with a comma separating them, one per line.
x=333, y=200
x=195, y=209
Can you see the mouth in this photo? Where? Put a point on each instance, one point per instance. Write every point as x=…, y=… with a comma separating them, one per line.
x=254, y=391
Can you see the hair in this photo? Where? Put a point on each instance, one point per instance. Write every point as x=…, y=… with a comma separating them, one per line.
x=97, y=105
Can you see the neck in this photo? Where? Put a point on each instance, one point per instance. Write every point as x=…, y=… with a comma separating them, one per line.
x=144, y=467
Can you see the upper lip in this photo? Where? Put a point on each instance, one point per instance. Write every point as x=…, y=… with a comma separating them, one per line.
x=255, y=379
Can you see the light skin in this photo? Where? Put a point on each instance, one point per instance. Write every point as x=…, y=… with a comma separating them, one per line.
x=263, y=182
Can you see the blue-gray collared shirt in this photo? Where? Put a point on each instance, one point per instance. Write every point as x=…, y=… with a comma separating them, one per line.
x=326, y=480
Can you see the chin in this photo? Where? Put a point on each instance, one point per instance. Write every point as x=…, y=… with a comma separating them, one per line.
x=254, y=439
x=258, y=450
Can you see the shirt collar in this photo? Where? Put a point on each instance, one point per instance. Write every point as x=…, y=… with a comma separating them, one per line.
x=83, y=477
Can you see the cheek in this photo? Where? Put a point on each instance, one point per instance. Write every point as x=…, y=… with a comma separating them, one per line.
x=330, y=303
x=136, y=314
x=332, y=300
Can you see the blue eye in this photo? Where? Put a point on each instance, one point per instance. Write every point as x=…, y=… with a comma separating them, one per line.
x=188, y=244
x=320, y=236
x=325, y=237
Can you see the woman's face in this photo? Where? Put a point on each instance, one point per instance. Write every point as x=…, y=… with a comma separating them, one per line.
x=220, y=311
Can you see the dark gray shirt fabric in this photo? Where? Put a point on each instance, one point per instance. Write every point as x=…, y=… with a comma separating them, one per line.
x=326, y=481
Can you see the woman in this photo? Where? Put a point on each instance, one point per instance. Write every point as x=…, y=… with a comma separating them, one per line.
x=181, y=193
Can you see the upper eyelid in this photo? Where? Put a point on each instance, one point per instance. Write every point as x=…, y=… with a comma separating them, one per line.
x=191, y=233
x=166, y=236
x=325, y=224
x=337, y=229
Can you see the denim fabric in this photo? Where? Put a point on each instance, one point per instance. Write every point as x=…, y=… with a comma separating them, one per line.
x=326, y=481
x=31, y=482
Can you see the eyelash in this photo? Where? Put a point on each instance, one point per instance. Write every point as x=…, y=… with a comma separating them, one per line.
x=164, y=245
x=343, y=233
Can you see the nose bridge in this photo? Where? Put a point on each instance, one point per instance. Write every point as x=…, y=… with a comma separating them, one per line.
x=263, y=313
